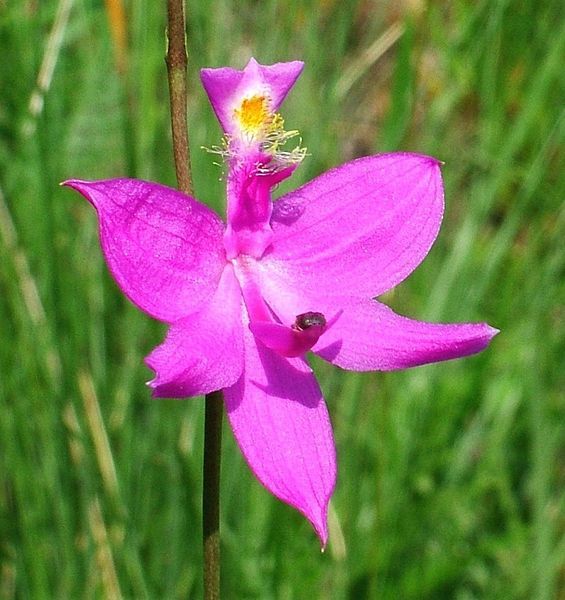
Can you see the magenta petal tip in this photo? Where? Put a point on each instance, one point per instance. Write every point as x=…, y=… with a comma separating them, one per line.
x=76, y=184
x=493, y=331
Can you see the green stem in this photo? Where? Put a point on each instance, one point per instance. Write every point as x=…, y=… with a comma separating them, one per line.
x=177, y=61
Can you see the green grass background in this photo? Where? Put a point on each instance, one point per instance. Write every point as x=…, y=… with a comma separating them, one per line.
x=451, y=476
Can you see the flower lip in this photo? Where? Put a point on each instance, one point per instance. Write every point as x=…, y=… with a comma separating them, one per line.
x=227, y=87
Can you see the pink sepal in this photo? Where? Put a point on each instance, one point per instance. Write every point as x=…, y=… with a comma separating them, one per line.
x=164, y=249
x=203, y=352
x=369, y=336
x=281, y=424
x=358, y=229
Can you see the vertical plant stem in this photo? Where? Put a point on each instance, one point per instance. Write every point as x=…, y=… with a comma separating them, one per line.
x=211, y=494
x=177, y=61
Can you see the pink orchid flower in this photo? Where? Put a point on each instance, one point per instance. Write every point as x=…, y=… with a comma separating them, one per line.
x=247, y=299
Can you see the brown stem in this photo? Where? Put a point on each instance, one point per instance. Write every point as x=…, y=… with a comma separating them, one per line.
x=211, y=494
x=177, y=61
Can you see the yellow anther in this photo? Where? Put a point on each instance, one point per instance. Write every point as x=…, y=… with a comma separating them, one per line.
x=254, y=114
x=259, y=125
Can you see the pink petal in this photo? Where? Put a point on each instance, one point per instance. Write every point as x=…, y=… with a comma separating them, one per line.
x=359, y=229
x=367, y=336
x=164, y=248
x=204, y=352
x=281, y=424
x=226, y=87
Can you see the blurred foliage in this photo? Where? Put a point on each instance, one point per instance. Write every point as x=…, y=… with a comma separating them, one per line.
x=451, y=476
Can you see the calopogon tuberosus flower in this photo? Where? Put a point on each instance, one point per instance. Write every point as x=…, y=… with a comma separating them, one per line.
x=245, y=300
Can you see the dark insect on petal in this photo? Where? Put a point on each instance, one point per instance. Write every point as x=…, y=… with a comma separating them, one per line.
x=309, y=319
